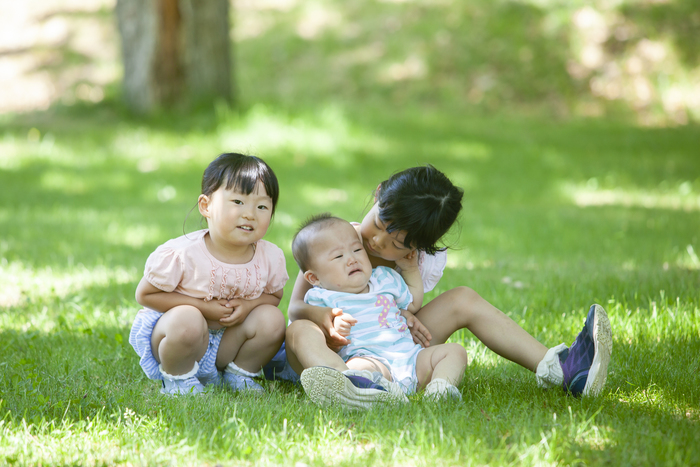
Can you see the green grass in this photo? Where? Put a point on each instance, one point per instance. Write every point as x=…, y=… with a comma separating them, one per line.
x=556, y=216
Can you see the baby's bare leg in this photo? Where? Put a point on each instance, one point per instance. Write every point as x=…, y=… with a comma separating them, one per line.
x=444, y=361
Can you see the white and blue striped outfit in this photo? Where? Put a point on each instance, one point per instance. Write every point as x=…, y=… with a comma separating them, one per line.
x=381, y=332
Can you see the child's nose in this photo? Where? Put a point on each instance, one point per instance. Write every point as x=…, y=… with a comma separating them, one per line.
x=249, y=213
x=379, y=239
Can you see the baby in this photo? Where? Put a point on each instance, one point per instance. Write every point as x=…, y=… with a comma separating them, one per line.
x=381, y=362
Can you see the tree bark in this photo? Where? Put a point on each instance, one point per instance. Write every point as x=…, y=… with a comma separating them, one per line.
x=175, y=52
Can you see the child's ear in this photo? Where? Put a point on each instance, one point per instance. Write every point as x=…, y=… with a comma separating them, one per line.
x=311, y=278
x=203, y=205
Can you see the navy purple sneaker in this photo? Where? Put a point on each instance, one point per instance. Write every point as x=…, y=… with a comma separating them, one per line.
x=329, y=387
x=585, y=363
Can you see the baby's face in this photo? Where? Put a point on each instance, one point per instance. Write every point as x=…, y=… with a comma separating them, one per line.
x=339, y=261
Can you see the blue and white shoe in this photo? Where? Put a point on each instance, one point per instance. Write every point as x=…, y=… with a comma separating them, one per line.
x=329, y=387
x=211, y=379
x=585, y=363
x=187, y=384
x=238, y=379
x=241, y=383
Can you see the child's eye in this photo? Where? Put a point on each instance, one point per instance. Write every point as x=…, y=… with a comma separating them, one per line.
x=339, y=256
x=237, y=201
x=356, y=251
x=263, y=207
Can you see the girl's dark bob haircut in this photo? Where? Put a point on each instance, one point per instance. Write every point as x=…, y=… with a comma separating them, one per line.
x=421, y=201
x=240, y=173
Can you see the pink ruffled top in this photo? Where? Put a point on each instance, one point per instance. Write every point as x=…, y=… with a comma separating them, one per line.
x=185, y=265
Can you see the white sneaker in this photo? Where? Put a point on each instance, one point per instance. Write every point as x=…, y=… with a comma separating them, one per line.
x=440, y=390
x=329, y=387
x=186, y=384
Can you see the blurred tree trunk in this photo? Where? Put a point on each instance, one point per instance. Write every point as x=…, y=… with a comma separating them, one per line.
x=175, y=52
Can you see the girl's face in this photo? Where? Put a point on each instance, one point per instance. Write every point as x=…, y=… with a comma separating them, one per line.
x=237, y=219
x=380, y=243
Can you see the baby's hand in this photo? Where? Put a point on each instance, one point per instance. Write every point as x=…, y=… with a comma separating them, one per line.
x=408, y=262
x=343, y=322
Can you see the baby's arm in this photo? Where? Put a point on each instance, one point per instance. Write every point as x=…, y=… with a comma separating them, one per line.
x=321, y=316
x=152, y=297
x=411, y=275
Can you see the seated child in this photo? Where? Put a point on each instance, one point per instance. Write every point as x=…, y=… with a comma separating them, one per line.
x=381, y=362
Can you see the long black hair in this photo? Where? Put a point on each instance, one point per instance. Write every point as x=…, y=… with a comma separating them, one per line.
x=421, y=201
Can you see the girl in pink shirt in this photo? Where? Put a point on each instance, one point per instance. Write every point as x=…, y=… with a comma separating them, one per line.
x=210, y=297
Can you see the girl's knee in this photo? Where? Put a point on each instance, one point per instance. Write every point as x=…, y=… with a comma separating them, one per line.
x=183, y=322
x=465, y=295
x=190, y=334
x=270, y=320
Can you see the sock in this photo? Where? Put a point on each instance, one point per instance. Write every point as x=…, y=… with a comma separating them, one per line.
x=549, y=373
x=442, y=389
x=189, y=374
x=236, y=370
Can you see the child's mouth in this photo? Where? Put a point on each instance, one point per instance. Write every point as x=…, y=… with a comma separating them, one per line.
x=247, y=228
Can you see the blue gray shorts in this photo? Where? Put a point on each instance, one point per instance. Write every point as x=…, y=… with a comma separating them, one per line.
x=140, y=340
x=278, y=367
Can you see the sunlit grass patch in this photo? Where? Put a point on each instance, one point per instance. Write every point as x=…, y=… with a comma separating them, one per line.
x=683, y=197
x=22, y=283
x=80, y=217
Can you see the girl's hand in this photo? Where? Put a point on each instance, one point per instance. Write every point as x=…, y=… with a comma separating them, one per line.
x=214, y=310
x=238, y=311
x=420, y=333
x=343, y=322
x=408, y=262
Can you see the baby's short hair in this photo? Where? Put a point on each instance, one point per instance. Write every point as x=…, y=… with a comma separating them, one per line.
x=307, y=231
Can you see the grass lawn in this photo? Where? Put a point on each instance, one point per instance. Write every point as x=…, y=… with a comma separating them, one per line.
x=556, y=217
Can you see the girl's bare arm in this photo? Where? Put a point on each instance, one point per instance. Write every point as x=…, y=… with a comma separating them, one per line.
x=321, y=316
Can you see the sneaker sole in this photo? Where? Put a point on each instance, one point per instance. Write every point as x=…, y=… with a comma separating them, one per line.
x=328, y=387
x=602, y=337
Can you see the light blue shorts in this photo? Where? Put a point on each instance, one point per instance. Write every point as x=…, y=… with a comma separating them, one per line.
x=140, y=340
